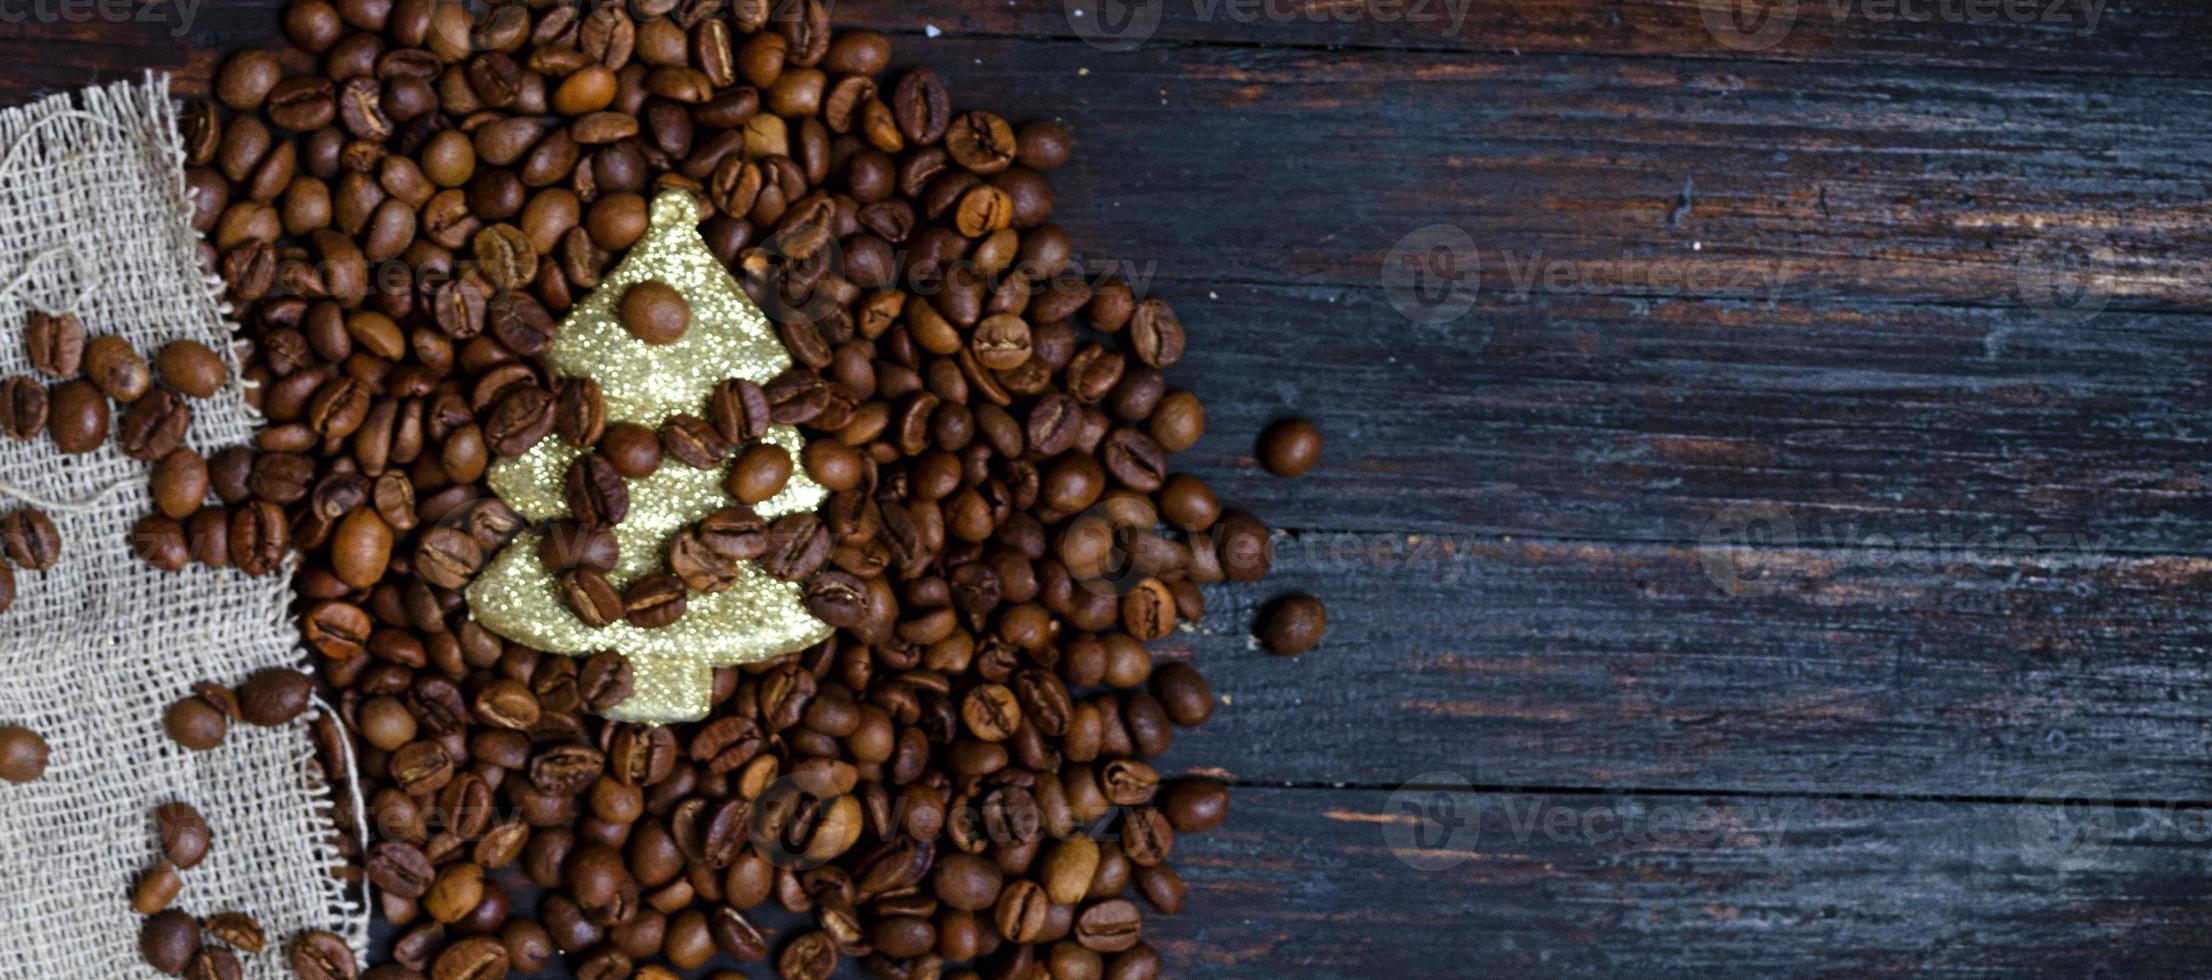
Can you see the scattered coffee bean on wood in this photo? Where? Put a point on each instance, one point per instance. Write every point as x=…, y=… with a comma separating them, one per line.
x=1289, y=448
x=1294, y=625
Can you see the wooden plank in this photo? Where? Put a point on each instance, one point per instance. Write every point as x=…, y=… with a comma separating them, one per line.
x=1939, y=672
x=1308, y=882
x=1571, y=415
x=2152, y=37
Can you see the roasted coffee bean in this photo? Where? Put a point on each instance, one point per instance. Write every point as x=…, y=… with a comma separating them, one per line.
x=156, y=889
x=798, y=544
x=523, y=416
x=1110, y=926
x=604, y=681
x=447, y=557
x=690, y=440
x=23, y=404
x=655, y=312
x=590, y=597
x=55, y=343
x=595, y=491
x=168, y=941
x=259, y=537
x=322, y=956
x=29, y=539
x=116, y=368
x=244, y=81
x=1293, y=625
x=654, y=601
x=274, y=696
x=214, y=963
x=922, y=106
x=155, y=425
x=812, y=956
x=243, y=932
x=77, y=416
x=760, y=473
x=580, y=413
x=740, y=412
x=981, y=142
x=183, y=833
x=195, y=724
x=1289, y=448
x=23, y=754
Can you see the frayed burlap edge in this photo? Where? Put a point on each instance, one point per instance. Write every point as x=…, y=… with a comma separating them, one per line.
x=95, y=220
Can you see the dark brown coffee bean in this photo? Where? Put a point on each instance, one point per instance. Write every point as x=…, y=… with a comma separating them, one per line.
x=604, y=681
x=519, y=321
x=1043, y=146
x=655, y=312
x=183, y=833
x=159, y=541
x=760, y=473
x=812, y=956
x=981, y=142
x=448, y=557
x=522, y=417
x=155, y=425
x=654, y=601
x=474, y=958
x=1110, y=926
x=580, y=413
x=156, y=889
x=243, y=932
x=922, y=106
x=54, y=343
x=77, y=416
x=23, y=405
x=701, y=568
x=214, y=963
x=23, y=754
x=1289, y=448
x=1293, y=625
x=596, y=493
x=116, y=368
x=168, y=941
x=591, y=598
x=740, y=412
x=323, y=956
x=29, y=539
x=798, y=545
x=274, y=696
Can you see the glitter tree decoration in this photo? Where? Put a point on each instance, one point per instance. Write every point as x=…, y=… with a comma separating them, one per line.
x=762, y=617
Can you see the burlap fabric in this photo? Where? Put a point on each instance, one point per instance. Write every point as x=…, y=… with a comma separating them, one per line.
x=94, y=220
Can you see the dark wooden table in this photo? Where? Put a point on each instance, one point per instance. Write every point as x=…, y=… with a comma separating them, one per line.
x=1788, y=562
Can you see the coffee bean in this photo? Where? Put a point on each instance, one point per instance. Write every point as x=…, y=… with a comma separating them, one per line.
x=155, y=425
x=1110, y=926
x=740, y=412
x=1043, y=146
x=447, y=557
x=321, y=955
x=522, y=417
x=654, y=601
x=1293, y=625
x=605, y=680
x=1246, y=551
x=474, y=958
x=243, y=932
x=580, y=413
x=195, y=724
x=1289, y=448
x=596, y=493
x=655, y=312
x=591, y=598
x=77, y=416
x=183, y=833
x=116, y=368
x=922, y=106
x=259, y=537
x=23, y=405
x=760, y=473
x=812, y=956
x=399, y=868
x=168, y=941
x=23, y=754
x=244, y=81
x=274, y=696
x=156, y=889
x=55, y=343
x=798, y=544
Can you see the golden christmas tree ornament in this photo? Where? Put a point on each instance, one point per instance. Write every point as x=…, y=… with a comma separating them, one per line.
x=763, y=617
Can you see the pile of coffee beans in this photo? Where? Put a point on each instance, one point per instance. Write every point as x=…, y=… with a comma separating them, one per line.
x=956, y=783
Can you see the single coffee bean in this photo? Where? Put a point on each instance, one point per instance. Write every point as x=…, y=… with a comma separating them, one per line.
x=259, y=537
x=474, y=958
x=798, y=545
x=1289, y=448
x=245, y=80
x=1196, y=805
x=30, y=540
x=154, y=426
x=1245, y=549
x=23, y=405
x=180, y=483
x=399, y=868
x=274, y=696
x=812, y=956
x=190, y=367
x=522, y=416
x=701, y=568
x=588, y=594
x=23, y=754
x=214, y=963
x=243, y=932
x=580, y=413
x=322, y=955
x=361, y=548
x=1294, y=625
x=55, y=343
x=634, y=450
x=740, y=412
x=77, y=416
x=183, y=832
x=195, y=724
x=760, y=473
x=111, y=363
x=447, y=557
x=168, y=941
x=605, y=680
x=156, y=889
x=1110, y=926
x=595, y=491
x=690, y=440
x=655, y=312
x=654, y=601
x=1043, y=146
